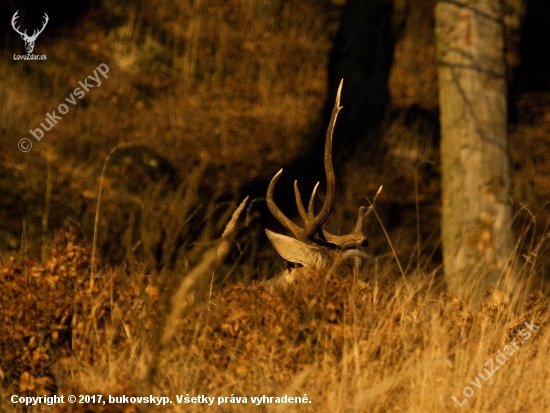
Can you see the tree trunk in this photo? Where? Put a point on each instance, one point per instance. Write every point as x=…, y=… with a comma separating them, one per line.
x=476, y=207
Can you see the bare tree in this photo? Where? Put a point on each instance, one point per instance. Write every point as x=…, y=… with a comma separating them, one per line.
x=476, y=212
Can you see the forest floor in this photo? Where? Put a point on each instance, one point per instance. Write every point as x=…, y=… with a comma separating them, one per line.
x=217, y=120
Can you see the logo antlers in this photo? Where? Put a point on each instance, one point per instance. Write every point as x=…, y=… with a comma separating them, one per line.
x=29, y=40
x=314, y=247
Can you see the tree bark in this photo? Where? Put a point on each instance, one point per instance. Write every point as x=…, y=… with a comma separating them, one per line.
x=476, y=208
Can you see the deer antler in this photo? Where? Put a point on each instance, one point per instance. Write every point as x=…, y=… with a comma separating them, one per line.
x=13, y=19
x=356, y=238
x=313, y=247
x=312, y=222
x=47, y=19
x=35, y=32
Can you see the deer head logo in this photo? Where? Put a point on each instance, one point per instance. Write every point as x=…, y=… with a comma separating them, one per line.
x=314, y=247
x=29, y=40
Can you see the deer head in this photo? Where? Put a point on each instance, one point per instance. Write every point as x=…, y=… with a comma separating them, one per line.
x=314, y=247
x=29, y=40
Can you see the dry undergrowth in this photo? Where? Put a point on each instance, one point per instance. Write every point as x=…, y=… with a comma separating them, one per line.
x=50, y=318
x=374, y=345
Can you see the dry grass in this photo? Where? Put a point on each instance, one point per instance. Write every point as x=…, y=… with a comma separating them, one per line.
x=233, y=84
x=372, y=345
x=227, y=92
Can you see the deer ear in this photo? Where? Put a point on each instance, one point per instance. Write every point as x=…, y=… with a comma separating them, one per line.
x=296, y=251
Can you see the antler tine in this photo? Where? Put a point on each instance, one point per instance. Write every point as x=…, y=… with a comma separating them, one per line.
x=312, y=222
x=355, y=239
x=311, y=205
x=299, y=203
x=314, y=225
x=278, y=214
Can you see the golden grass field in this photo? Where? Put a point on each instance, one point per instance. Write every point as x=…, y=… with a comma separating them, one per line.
x=218, y=96
x=382, y=344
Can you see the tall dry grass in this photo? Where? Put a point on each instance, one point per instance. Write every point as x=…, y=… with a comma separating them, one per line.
x=204, y=83
x=377, y=344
